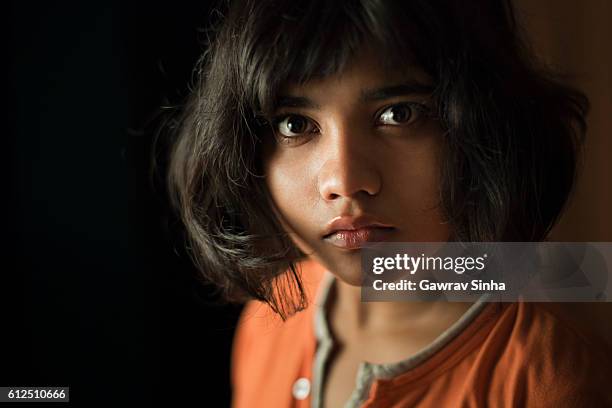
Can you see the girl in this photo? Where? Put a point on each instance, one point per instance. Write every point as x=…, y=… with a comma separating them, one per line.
x=319, y=126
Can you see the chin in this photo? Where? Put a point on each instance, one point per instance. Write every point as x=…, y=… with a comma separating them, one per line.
x=346, y=270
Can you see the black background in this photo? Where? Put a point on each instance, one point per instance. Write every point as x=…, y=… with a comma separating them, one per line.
x=97, y=293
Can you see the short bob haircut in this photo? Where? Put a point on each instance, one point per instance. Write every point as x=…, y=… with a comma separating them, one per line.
x=512, y=132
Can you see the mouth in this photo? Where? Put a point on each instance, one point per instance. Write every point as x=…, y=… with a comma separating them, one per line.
x=349, y=232
x=357, y=238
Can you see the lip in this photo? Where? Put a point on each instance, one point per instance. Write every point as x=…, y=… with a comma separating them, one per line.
x=350, y=232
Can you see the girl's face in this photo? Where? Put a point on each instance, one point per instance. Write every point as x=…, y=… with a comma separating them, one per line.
x=355, y=158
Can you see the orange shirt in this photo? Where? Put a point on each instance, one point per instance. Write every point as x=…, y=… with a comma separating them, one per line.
x=508, y=355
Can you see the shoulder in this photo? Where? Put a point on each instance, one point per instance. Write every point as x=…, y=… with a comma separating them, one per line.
x=545, y=328
x=262, y=336
x=544, y=359
x=259, y=321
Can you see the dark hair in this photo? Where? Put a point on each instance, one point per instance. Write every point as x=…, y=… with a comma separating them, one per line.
x=512, y=131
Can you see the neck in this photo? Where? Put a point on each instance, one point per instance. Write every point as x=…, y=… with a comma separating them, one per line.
x=367, y=318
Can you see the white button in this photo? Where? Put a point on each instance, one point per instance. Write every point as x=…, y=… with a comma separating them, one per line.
x=301, y=388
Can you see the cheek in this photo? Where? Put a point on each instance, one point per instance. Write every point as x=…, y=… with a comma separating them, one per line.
x=414, y=180
x=417, y=181
x=289, y=182
x=414, y=170
x=286, y=183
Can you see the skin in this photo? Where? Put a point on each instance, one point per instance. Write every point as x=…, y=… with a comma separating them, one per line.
x=349, y=161
x=353, y=165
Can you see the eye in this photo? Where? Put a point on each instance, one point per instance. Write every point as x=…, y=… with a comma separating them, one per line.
x=291, y=126
x=401, y=113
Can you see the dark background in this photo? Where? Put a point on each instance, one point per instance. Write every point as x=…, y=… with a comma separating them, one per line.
x=97, y=293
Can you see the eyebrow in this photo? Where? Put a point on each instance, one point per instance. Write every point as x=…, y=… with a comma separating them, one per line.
x=412, y=88
x=368, y=95
x=295, y=102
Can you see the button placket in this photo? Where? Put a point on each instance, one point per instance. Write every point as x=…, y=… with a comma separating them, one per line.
x=301, y=388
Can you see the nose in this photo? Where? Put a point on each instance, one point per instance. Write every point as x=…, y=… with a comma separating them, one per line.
x=349, y=166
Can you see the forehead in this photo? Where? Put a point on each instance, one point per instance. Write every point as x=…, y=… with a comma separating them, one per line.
x=365, y=71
